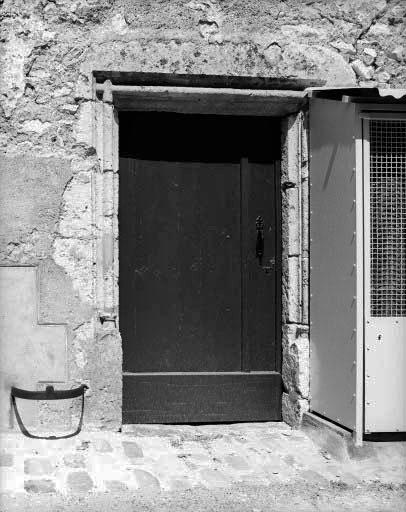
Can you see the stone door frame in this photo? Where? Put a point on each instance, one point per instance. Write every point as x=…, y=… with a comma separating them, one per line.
x=103, y=133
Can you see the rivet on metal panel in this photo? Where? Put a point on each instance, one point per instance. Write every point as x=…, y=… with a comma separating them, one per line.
x=354, y=363
x=368, y=349
x=338, y=420
x=354, y=330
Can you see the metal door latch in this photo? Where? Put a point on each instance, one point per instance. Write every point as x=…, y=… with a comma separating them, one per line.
x=269, y=268
x=259, y=247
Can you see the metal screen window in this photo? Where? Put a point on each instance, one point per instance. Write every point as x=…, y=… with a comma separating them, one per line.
x=388, y=217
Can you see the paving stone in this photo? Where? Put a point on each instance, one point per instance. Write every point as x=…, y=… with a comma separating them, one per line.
x=6, y=459
x=38, y=466
x=350, y=478
x=132, y=450
x=289, y=460
x=213, y=477
x=237, y=462
x=313, y=477
x=115, y=486
x=180, y=484
x=103, y=446
x=146, y=481
x=39, y=486
x=79, y=481
x=84, y=445
x=74, y=460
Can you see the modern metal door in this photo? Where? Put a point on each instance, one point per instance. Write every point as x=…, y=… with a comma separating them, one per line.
x=199, y=292
x=385, y=272
x=334, y=307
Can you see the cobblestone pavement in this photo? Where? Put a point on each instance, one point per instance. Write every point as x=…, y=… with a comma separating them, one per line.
x=151, y=459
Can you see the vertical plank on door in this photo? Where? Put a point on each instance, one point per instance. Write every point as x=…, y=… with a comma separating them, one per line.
x=259, y=281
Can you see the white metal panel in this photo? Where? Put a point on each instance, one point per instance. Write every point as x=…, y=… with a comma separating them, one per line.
x=385, y=273
x=333, y=261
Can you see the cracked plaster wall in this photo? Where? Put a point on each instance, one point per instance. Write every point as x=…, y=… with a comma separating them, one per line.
x=48, y=50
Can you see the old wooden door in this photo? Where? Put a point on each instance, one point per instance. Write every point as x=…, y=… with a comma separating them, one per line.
x=198, y=305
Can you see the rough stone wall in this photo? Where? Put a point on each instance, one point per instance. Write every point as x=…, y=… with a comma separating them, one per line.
x=295, y=268
x=48, y=52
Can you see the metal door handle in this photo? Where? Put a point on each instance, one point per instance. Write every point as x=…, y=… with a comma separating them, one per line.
x=259, y=247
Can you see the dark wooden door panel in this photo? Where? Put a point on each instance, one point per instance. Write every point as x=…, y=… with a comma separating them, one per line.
x=198, y=311
x=259, y=277
x=195, y=398
x=180, y=290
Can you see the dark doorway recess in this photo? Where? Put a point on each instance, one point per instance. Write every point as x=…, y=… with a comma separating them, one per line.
x=199, y=230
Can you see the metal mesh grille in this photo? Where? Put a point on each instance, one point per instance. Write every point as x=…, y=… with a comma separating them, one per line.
x=388, y=217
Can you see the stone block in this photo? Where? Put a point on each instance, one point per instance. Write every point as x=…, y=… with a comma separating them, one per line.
x=74, y=460
x=132, y=450
x=103, y=446
x=40, y=486
x=83, y=88
x=84, y=127
x=361, y=70
x=293, y=408
x=305, y=217
x=79, y=481
x=6, y=459
x=305, y=290
x=214, y=478
x=313, y=477
x=291, y=289
x=115, y=486
x=291, y=222
x=38, y=466
x=291, y=158
x=180, y=484
x=146, y=481
x=237, y=462
x=295, y=369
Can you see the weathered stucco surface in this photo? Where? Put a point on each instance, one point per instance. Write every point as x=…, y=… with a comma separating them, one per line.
x=48, y=51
